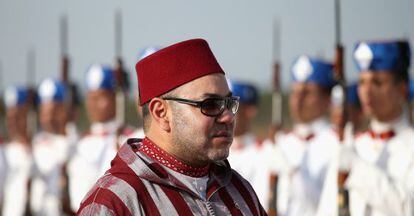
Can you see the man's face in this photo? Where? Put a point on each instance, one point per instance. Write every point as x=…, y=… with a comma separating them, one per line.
x=307, y=102
x=381, y=97
x=100, y=105
x=199, y=139
x=52, y=117
x=16, y=118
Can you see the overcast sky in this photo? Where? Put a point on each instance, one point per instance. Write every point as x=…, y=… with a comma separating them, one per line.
x=240, y=32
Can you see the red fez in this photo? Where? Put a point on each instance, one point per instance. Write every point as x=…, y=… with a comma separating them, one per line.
x=174, y=66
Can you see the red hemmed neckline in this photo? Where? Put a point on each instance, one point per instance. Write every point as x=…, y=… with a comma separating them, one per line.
x=153, y=151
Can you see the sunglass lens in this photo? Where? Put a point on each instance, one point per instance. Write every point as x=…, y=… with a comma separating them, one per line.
x=212, y=107
x=233, y=105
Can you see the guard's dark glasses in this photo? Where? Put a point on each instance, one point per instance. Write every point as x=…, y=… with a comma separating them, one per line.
x=211, y=106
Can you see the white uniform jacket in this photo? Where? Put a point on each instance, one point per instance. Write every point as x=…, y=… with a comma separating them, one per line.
x=381, y=181
x=309, y=149
x=91, y=158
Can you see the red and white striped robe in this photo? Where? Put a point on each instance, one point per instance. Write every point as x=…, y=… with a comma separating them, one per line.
x=137, y=185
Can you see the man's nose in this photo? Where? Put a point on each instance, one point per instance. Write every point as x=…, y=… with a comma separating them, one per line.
x=226, y=117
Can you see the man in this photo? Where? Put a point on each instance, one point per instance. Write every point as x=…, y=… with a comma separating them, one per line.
x=3, y=171
x=309, y=147
x=354, y=113
x=96, y=149
x=337, y=106
x=411, y=98
x=339, y=167
x=381, y=181
x=50, y=149
x=180, y=168
x=17, y=151
x=245, y=146
x=249, y=98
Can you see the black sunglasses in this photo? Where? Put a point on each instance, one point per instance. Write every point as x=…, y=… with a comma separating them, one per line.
x=211, y=106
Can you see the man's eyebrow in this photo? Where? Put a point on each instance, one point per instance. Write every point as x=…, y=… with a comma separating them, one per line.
x=207, y=95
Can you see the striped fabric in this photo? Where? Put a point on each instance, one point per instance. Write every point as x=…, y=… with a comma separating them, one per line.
x=137, y=185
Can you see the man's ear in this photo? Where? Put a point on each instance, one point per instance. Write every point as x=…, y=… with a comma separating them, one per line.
x=158, y=109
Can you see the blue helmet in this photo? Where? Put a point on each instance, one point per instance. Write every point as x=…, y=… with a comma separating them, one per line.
x=390, y=56
x=100, y=77
x=247, y=92
x=306, y=69
x=352, y=94
x=51, y=90
x=16, y=96
x=411, y=90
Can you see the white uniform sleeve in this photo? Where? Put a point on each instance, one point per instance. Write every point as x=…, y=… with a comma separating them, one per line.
x=275, y=158
x=387, y=195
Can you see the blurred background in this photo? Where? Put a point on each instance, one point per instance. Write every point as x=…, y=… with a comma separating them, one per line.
x=248, y=37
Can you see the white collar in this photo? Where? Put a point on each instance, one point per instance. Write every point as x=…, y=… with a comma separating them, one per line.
x=49, y=135
x=397, y=124
x=104, y=127
x=306, y=129
x=196, y=184
x=243, y=141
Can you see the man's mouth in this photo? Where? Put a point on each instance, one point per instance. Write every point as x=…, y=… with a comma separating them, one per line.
x=225, y=134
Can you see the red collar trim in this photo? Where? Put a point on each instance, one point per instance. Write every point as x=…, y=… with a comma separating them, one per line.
x=383, y=136
x=153, y=151
x=306, y=138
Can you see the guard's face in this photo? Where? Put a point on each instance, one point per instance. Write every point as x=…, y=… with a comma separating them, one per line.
x=199, y=139
x=100, y=105
x=52, y=117
x=307, y=102
x=244, y=118
x=16, y=119
x=381, y=97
